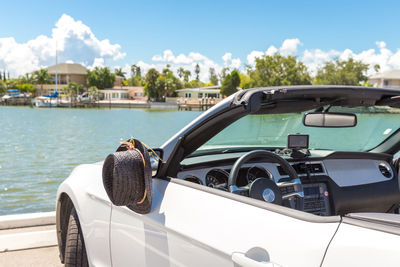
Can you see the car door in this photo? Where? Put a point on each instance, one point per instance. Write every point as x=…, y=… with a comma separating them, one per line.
x=192, y=225
x=366, y=239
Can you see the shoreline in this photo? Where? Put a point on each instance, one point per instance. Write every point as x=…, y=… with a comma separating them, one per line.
x=168, y=105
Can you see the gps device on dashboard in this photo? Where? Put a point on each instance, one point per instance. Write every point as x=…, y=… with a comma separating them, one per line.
x=298, y=141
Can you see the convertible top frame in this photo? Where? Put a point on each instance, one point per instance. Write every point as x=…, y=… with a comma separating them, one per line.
x=268, y=100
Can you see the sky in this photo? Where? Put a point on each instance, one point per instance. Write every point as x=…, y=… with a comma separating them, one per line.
x=185, y=33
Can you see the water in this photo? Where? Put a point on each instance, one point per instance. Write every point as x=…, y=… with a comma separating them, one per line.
x=40, y=147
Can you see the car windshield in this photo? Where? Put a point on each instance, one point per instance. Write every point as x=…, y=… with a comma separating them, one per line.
x=374, y=125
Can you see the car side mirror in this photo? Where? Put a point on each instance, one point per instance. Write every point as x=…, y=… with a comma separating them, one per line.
x=329, y=119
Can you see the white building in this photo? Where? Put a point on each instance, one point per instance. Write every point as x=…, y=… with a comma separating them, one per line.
x=389, y=79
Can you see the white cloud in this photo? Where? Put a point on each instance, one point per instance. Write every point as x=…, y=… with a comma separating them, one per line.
x=289, y=47
x=387, y=59
x=97, y=62
x=168, y=56
x=315, y=58
x=271, y=50
x=75, y=43
x=251, y=58
x=231, y=63
x=188, y=62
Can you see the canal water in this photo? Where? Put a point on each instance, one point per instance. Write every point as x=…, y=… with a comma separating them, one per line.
x=40, y=147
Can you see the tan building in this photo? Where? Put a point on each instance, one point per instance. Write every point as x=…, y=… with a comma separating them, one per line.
x=66, y=73
x=390, y=79
x=118, y=81
x=137, y=93
x=199, y=93
x=124, y=93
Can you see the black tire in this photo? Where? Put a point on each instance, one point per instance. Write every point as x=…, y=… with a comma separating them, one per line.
x=75, y=251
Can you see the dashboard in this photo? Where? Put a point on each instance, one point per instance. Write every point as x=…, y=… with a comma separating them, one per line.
x=337, y=183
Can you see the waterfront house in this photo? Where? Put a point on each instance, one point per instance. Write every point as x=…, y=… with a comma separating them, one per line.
x=389, y=79
x=118, y=93
x=66, y=73
x=71, y=72
x=200, y=93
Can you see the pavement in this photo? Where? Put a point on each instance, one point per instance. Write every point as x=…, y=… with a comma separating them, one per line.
x=41, y=257
x=28, y=240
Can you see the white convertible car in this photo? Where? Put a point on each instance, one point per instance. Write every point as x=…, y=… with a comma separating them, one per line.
x=282, y=176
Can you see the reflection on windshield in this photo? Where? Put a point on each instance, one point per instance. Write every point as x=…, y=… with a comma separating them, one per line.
x=374, y=125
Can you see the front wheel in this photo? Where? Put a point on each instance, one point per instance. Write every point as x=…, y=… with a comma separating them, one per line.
x=75, y=252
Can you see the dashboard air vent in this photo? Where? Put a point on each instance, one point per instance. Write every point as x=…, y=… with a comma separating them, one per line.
x=385, y=170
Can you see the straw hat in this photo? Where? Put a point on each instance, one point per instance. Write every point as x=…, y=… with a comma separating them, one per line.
x=127, y=177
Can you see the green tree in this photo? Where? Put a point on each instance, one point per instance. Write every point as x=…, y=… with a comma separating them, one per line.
x=136, y=79
x=223, y=73
x=120, y=72
x=230, y=83
x=377, y=68
x=27, y=78
x=194, y=84
x=181, y=72
x=342, y=72
x=151, y=88
x=101, y=78
x=213, y=76
x=73, y=89
x=3, y=87
x=169, y=83
x=136, y=71
x=278, y=70
x=93, y=92
x=166, y=69
x=12, y=83
x=245, y=82
x=41, y=77
x=27, y=88
x=186, y=76
x=197, y=71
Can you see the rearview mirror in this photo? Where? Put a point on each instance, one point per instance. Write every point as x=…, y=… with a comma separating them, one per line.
x=324, y=119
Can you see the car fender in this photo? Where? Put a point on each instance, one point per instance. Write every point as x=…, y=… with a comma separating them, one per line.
x=84, y=188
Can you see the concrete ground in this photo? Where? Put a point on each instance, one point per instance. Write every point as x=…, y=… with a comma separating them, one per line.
x=36, y=257
x=28, y=240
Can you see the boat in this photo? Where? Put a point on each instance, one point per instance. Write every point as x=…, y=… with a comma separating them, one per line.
x=46, y=100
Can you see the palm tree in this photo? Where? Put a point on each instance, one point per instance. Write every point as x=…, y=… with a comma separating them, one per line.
x=120, y=72
x=73, y=88
x=27, y=78
x=93, y=92
x=41, y=77
x=181, y=72
x=186, y=75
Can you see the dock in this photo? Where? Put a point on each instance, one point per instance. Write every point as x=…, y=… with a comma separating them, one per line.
x=29, y=240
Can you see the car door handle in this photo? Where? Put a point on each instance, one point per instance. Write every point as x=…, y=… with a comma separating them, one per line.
x=242, y=260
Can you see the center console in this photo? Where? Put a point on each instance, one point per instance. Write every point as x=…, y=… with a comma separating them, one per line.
x=316, y=199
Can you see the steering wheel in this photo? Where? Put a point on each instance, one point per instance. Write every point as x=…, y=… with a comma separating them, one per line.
x=263, y=188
